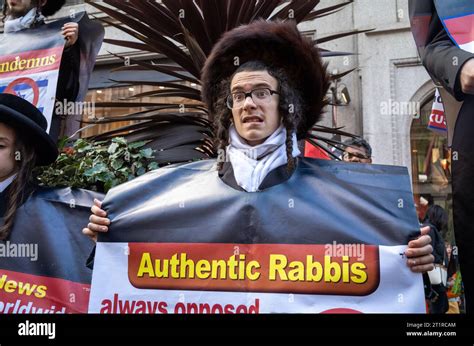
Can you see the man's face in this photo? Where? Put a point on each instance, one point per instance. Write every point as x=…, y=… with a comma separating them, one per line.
x=7, y=149
x=18, y=8
x=449, y=249
x=255, y=121
x=356, y=154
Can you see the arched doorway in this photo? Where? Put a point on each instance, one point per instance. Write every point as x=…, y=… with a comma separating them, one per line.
x=431, y=164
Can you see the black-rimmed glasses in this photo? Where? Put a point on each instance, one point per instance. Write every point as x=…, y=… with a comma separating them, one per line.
x=259, y=96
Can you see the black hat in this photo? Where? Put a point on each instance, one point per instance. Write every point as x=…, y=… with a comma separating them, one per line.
x=51, y=7
x=18, y=112
x=278, y=44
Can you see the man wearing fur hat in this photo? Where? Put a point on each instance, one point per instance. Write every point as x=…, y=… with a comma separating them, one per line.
x=28, y=14
x=274, y=100
x=265, y=86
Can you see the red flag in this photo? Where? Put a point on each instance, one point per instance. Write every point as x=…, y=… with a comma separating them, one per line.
x=315, y=152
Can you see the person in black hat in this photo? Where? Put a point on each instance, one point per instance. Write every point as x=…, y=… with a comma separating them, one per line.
x=24, y=144
x=27, y=14
x=264, y=85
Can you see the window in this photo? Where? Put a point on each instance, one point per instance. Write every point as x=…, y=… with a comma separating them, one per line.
x=431, y=164
x=122, y=94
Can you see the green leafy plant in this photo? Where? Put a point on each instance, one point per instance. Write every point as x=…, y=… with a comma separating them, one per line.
x=98, y=166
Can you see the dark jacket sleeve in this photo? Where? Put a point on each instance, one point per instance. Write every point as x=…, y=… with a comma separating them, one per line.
x=68, y=80
x=437, y=242
x=443, y=59
x=91, y=258
x=68, y=85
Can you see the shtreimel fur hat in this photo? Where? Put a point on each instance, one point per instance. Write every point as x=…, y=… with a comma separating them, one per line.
x=277, y=44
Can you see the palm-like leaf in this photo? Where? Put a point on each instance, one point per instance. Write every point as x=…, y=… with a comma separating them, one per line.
x=185, y=31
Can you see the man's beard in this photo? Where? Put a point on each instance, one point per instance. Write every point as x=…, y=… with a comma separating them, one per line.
x=18, y=13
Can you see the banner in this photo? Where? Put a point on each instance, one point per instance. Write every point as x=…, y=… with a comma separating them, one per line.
x=329, y=239
x=30, y=63
x=43, y=263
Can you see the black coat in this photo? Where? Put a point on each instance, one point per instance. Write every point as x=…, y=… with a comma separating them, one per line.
x=3, y=202
x=4, y=198
x=444, y=62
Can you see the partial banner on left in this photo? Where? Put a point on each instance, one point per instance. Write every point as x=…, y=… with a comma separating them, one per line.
x=29, y=65
x=43, y=263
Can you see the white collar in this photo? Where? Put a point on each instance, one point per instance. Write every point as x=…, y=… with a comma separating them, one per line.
x=22, y=23
x=251, y=164
x=4, y=184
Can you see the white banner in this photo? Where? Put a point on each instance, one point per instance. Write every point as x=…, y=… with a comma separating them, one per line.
x=29, y=66
x=348, y=281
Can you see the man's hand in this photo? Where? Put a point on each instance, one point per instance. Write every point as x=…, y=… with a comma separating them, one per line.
x=70, y=31
x=467, y=77
x=98, y=221
x=420, y=259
